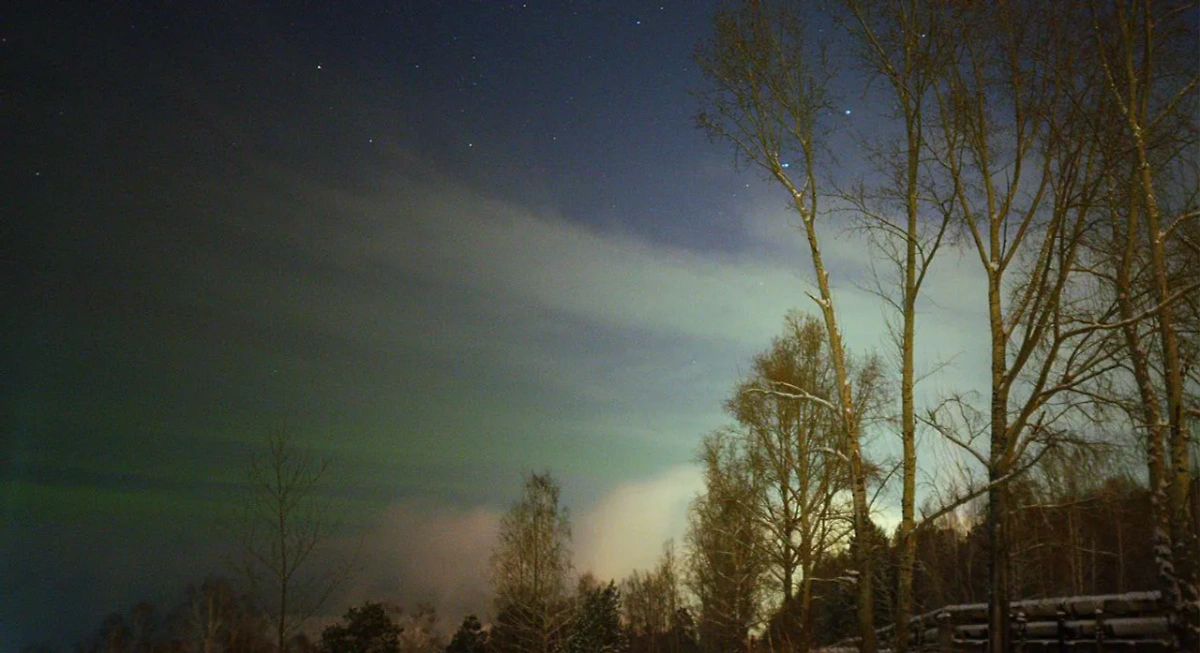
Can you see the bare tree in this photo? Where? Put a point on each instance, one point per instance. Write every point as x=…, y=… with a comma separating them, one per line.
x=903, y=43
x=1007, y=114
x=207, y=616
x=216, y=617
x=285, y=523
x=1147, y=53
x=652, y=601
x=420, y=632
x=1022, y=172
x=529, y=570
x=767, y=91
x=725, y=564
x=794, y=451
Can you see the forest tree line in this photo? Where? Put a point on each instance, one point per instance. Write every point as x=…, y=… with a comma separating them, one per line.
x=1081, y=519
x=1056, y=145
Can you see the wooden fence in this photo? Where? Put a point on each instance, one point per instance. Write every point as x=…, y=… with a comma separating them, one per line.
x=1134, y=621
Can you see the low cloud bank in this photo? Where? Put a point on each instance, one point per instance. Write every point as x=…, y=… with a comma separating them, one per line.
x=423, y=552
x=420, y=552
x=627, y=528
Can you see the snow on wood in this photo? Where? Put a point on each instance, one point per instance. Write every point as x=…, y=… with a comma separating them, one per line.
x=1137, y=626
x=1130, y=617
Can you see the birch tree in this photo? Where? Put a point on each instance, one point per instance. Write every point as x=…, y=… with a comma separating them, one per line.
x=1147, y=54
x=655, y=614
x=216, y=617
x=1015, y=146
x=529, y=570
x=903, y=44
x=725, y=564
x=1005, y=147
x=793, y=447
x=767, y=90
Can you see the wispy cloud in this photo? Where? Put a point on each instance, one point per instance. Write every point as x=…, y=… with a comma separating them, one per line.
x=641, y=336
x=424, y=262
x=449, y=234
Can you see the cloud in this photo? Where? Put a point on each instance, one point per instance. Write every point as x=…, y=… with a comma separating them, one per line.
x=627, y=528
x=619, y=343
x=535, y=288
x=424, y=263
x=419, y=551
x=445, y=233
x=422, y=551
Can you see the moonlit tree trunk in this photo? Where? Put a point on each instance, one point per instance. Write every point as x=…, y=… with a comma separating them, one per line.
x=1016, y=149
x=904, y=43
x=1148, y=61
x=767, y=93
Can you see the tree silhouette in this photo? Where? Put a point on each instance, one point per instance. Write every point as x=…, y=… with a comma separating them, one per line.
x=284, y=523
x=470, y=637
x=529, y=570
x=366, y=629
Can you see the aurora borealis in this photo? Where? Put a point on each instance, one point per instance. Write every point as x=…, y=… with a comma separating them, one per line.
x=444, y=243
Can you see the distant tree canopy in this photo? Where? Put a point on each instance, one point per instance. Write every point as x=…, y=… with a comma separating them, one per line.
x=212, y=617
x=364, y=629
x=596, y=626
x=422, y=632
x=469, y=638
x=657, y=616
x=1080, y=524
x=728, y=564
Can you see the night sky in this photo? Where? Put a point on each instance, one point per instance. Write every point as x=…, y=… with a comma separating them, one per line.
x=445, y=243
